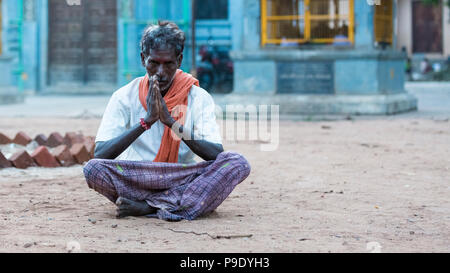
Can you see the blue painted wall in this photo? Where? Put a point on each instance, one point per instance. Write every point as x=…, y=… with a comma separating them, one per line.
x=20, y=44
x=10, y=47
x=349, y=81
x=255, y=76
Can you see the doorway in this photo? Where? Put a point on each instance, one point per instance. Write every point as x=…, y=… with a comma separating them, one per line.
x=427, y=28
x=82, y=45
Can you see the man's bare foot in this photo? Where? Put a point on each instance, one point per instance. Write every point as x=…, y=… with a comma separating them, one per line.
x=127, y=207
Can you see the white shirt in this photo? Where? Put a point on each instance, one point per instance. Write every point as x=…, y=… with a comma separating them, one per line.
x=125, y=110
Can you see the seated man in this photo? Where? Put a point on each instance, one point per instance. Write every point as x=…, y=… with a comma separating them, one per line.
x=149, y=133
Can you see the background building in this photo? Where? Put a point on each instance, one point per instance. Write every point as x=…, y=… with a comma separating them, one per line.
x=319, y=56
x=424, y=29
x=309, y=56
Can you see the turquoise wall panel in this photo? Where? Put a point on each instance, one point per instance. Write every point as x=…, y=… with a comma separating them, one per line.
x=356, y=76
x=255, y=76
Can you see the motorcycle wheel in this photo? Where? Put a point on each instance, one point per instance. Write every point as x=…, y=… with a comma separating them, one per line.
x=206, y=81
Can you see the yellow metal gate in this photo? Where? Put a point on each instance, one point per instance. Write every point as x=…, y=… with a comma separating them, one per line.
x=383, y=22
x=302, y=21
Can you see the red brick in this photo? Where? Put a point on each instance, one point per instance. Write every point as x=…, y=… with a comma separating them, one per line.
x=71, y=138
x=22, y=160
x=44, y=158
x=89, y=138
x=41, y=139
x=4, y=139
x=80, y=153
x=4, y=163
x=62, y=154
x=90, y=146
x=22, y=139
x=54, y=140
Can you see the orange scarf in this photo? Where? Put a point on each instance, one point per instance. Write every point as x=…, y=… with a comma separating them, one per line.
x=175, y=98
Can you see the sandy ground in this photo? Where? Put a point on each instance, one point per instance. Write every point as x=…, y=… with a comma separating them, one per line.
x=341, y=186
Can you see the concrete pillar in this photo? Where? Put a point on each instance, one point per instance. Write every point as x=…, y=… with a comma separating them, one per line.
x=237, y=18
x=364, y=34
x=30, y=47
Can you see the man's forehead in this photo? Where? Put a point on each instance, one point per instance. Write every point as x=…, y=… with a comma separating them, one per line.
x=162, y=53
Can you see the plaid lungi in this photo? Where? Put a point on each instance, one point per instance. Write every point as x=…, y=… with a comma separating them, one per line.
x=179, y=191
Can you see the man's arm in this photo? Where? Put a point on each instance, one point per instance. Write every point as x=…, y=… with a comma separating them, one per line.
x=204, y=149
x=113, y=148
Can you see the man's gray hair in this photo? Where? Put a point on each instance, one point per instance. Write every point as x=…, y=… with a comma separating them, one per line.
x=164, y=35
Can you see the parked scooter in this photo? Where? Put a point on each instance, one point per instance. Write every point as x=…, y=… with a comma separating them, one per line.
x=215, y=69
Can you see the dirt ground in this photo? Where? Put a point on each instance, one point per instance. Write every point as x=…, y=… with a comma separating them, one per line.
x=337, y=186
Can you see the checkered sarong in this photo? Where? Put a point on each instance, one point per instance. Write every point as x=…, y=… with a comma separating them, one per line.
x=179, y=191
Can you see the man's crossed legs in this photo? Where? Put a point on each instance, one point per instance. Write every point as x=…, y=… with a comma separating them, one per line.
x=170, y=191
